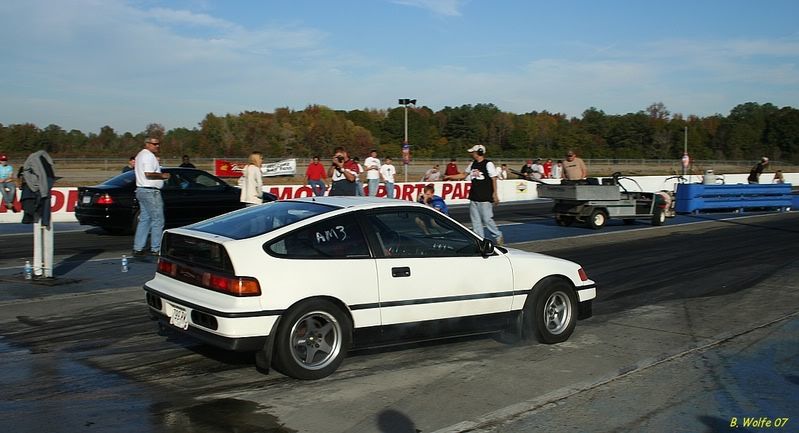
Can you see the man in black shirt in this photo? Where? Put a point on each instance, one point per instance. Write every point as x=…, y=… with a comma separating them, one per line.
x=757, y=170
x=483, y=194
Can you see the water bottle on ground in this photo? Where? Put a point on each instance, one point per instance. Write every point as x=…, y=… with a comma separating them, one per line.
x=124, y=263
x=28, y=270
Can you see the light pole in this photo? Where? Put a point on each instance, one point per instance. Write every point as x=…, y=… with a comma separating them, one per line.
x=405, y=146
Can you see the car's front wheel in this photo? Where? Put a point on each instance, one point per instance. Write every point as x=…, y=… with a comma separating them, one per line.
x=552, y=312
x=312, y=341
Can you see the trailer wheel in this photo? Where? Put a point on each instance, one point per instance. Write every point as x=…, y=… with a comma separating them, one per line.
x=564, y=220
x=597, y=219
x=658, y=217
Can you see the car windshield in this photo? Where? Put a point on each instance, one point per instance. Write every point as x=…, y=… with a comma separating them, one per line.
x=257, y=220
x=123, y=179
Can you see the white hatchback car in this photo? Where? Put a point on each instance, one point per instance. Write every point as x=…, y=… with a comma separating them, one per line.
x=303, y=281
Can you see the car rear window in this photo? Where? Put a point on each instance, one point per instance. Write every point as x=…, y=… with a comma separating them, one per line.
x=257, y=220
x=123, y=179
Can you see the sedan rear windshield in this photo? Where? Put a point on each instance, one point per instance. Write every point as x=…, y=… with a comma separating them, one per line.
x=257, y=220
x=123, y=179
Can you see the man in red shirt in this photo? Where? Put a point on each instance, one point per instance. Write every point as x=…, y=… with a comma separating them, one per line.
x=452, y=168
x=548, y=169
x=315, y=176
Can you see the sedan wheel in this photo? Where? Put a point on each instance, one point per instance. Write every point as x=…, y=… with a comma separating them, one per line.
x=553, y=311
x=312, y=341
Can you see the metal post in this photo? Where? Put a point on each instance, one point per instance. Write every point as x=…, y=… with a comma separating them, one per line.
x=406, y=124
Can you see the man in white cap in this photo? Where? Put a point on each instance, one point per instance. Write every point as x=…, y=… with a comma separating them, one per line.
x=483, y=194
x=757, y=170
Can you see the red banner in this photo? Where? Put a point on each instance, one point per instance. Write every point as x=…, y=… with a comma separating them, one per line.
x=224, y=168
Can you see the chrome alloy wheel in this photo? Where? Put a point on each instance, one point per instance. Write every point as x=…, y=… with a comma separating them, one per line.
x=316, y=340
x=557, y=312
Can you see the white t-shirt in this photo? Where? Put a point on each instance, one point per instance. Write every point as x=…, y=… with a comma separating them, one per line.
x=477, y=174
x=146, y=162
x=388, y=171
x=538, y=171
x=372, y=173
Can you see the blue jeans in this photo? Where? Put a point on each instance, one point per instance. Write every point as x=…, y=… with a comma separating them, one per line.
x=359, y=188
x=389, y=189
x=318, y=187
x=482, y=215
x=151, y=219
x=373, y=185
x=8, y=196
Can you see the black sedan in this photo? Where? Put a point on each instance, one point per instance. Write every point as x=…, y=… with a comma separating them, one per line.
x=190, y=195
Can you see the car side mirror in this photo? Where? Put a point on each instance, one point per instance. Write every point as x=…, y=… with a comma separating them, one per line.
x=486, y=247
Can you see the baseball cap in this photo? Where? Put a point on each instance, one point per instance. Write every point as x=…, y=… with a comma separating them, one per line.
x=3, y=157
x=764, y=159
x=477, y=148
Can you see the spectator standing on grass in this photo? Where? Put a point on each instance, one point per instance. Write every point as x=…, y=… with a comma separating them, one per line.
x=372, y=166
x=483, y=194
x=149, y=181
x=315, y=177
x=358, y=180
x=432, y=175
x=186, y=163
x=131, y=164
x=452, y=168
x=527, y=169
x=574, y=168
x=252, y=181
x=757, y=170
x=387, y=173
x=538, y=170
x=548, y=169
x=342, y=173
x=503, y=172
x=557, y=170
x=8, y=188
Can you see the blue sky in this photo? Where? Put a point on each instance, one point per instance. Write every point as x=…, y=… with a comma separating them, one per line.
x=84, y=64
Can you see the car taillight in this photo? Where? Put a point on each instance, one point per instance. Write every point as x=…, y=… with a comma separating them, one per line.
x=583, y=275
x=231, y=285
x=105, y=199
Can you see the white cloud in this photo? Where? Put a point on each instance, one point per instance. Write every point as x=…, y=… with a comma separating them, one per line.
x=441, y=7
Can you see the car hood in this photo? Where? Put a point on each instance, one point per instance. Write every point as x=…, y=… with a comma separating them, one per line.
x=531, y=267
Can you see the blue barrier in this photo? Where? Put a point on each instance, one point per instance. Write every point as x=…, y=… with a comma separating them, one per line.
x=694, y=197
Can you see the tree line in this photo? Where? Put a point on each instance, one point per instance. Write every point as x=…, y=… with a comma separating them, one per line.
x=749, y=131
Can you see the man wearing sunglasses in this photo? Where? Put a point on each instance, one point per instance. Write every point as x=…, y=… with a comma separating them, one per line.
x=149, y=181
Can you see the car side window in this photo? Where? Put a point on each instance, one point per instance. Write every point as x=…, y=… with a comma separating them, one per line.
x=334, y=238
x=420, y=233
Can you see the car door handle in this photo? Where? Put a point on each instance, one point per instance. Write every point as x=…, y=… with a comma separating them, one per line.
x=401, y=272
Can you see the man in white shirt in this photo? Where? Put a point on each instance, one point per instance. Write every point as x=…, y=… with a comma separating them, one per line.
x=149, y=181
x=538, y=170
x=372, y=166
x=387, y=172
x=503, y=172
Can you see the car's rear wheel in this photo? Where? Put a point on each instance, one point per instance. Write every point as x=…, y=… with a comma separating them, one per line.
x=551, y=314
x=312, y=341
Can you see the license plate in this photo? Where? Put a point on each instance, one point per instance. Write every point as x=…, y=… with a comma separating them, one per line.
x=87, y=199
x=179, y=318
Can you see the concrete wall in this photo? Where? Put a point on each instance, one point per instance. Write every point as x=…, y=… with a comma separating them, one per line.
x=64, y=199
